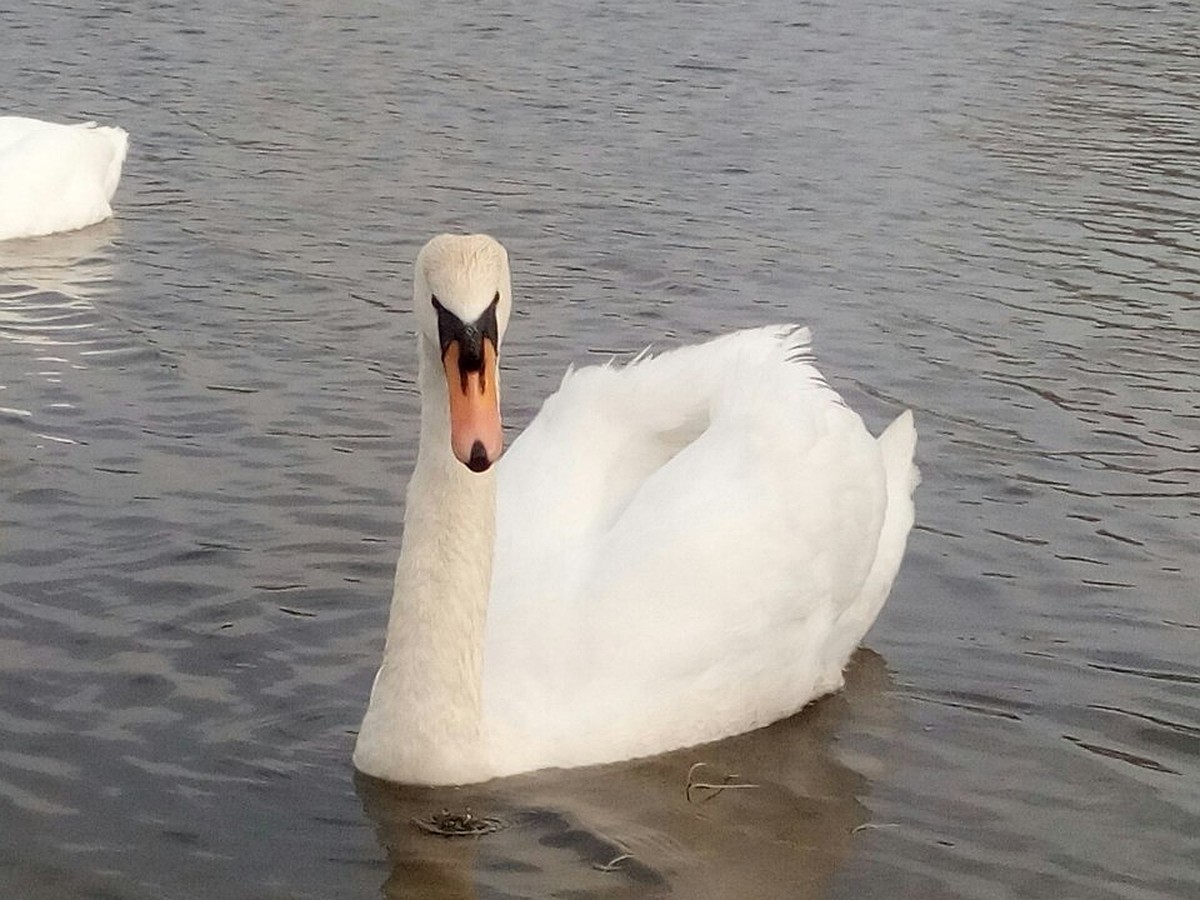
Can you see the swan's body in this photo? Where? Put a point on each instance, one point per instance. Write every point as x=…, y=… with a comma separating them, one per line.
x=56, y=177
x=685, y=548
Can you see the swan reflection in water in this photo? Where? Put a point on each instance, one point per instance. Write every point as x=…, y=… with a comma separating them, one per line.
x=47, y=285
x=631, y=829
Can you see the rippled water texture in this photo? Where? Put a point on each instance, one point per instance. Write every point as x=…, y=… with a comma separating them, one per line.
x=987, y=212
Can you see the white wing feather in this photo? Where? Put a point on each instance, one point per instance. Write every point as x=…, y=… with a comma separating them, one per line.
x=687, y=547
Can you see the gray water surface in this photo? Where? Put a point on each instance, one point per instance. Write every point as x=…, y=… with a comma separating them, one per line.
x=986, y=212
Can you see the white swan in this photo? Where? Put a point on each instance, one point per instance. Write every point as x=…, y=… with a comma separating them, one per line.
x=685, y=548
x=56, y=177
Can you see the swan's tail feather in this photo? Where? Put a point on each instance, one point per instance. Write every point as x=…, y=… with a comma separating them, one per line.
x=115, y=141
x=119, y=141
x=897, y=447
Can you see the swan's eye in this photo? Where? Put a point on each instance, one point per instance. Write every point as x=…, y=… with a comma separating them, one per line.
x=496, y=299
x=436, y=305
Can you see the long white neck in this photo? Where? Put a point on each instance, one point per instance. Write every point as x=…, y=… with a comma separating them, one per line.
x=423, y=721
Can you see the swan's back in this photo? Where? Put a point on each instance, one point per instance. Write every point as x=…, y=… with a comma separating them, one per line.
x=687, y=547
x=56, y=177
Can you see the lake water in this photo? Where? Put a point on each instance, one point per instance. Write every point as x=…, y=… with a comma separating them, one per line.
x=986, y=212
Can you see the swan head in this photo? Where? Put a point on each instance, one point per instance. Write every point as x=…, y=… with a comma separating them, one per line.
x=463, y=296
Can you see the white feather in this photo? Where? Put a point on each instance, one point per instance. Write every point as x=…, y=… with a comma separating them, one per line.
x=56, y=177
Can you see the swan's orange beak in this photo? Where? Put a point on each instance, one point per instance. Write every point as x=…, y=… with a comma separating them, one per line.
x=476, y=436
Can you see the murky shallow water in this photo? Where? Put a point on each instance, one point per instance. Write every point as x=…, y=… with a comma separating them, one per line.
x=208, y=413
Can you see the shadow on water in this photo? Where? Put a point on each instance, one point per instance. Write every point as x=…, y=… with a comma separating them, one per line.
x=635, y=829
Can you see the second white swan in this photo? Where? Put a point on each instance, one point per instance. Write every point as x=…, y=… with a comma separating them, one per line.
x=56, y=177
x=674, y=551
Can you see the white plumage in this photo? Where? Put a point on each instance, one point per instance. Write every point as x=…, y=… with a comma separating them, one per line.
x=685, y=548
x=56, y=177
